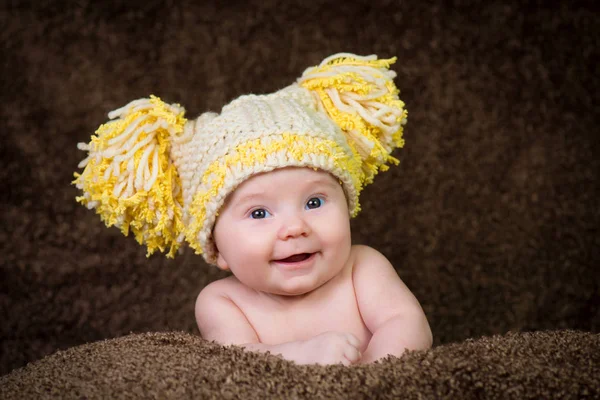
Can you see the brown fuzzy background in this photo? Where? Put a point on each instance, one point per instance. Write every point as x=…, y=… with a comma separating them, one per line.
x=491, y=218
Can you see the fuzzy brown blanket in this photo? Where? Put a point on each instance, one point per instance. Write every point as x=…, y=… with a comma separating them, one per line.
x=491, y=218
x=537, y=365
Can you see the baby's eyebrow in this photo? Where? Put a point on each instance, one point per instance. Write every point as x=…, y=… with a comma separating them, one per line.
x=248, y=197
x=324, y=181
x=254, y=196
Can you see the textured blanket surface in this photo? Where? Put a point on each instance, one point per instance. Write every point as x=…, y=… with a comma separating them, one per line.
x=540, y=365
x=491, y=218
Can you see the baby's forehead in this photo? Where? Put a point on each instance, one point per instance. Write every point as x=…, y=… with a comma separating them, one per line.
x=289, y=177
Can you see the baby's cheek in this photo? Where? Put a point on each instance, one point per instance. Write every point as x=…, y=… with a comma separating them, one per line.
x=256, y=243
x=339, y=235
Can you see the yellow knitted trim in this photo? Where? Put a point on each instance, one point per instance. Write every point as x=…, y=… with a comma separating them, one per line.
x=129, y=177
x=359, y=95
x=252, y=157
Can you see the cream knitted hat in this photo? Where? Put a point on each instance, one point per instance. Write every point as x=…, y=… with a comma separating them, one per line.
x=153, y=172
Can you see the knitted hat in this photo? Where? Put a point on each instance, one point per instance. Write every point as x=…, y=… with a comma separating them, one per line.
x=153, y=172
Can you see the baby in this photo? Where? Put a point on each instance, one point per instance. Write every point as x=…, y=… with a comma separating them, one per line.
x=299, y=288
x=265, y=189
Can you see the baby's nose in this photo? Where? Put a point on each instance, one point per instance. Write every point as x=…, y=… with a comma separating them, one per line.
x=293, y=226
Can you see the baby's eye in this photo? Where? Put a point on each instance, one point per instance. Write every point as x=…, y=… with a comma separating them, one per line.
x=314, y=202
x=259, y=213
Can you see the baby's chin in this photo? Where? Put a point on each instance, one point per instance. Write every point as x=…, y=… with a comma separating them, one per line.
x=294, y=291
x=288, y=291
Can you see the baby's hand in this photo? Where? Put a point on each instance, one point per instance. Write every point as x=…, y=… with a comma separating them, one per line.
x=331, y=348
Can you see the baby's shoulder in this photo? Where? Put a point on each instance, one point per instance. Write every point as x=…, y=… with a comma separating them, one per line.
x=361, y=253
x=226, y=287
x=367, y=260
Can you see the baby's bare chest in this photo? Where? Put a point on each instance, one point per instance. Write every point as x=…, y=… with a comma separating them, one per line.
x=334, y=310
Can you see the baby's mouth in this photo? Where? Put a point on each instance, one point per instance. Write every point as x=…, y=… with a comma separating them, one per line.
x=295, y=258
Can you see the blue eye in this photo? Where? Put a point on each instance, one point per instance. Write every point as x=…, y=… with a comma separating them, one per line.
x=314, y=202
x=259, y=213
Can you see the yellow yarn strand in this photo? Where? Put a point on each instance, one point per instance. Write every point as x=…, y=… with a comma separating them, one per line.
x=129, y=178
x=359, y=95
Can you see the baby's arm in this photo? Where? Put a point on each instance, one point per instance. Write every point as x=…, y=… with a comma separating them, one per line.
x=388, y=308
x=221, y=320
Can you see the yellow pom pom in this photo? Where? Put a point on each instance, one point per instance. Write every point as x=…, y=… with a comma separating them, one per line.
x=129, y=177
x=359, y=95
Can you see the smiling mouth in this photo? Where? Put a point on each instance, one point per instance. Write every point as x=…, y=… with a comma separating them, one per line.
x=295, y=258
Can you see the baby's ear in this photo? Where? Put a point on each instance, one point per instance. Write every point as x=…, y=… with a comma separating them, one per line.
x=221, y=263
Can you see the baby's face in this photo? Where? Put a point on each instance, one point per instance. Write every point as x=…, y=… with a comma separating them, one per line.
x=285, y=232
